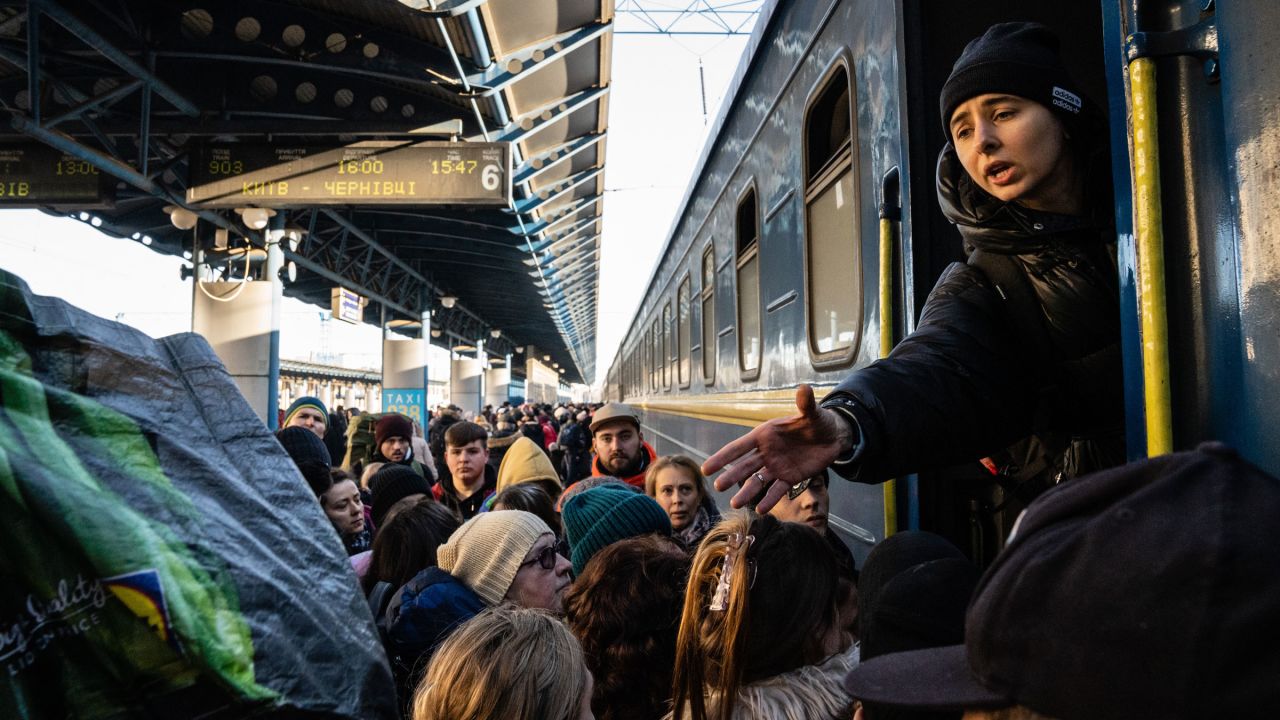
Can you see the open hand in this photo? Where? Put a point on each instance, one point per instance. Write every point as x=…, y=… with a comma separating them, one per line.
x=781, y=452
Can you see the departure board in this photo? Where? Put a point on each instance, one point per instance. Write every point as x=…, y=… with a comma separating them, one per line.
x=36, y=175
x=362, y=173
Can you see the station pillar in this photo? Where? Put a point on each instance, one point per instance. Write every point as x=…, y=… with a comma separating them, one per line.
x=404, y=377
x=497, y=384
x=240, y=320
x=465, y=382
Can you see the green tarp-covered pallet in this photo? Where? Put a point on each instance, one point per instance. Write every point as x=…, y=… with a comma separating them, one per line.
x=161, y=556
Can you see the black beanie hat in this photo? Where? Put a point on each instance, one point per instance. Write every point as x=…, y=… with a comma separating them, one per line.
x=1018, y=58
x=391, y=484
x=303, y=446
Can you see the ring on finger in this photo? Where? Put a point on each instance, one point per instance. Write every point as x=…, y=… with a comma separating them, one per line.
x=760, y=478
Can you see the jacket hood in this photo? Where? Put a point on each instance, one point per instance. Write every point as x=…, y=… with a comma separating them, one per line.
x=812, y=692
x=423, y=613
x=525, y=462
x=988, y=223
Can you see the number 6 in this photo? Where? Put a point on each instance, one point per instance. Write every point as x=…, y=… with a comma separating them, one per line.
x=490, y=176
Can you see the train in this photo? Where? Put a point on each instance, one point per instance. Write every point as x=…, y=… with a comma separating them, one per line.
x=810, y=234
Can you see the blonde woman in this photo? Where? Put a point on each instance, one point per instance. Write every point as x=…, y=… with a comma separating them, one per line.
x=760, y=635
x=676, y=482
x=511, y=663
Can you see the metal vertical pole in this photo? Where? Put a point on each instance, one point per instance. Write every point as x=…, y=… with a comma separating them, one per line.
x=1149, y=234
x=426, y=370
x=483, y=367
x=275, y=262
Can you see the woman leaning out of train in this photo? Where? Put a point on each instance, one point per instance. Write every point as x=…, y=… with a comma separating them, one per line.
x=761, y=633
x=1016, y=359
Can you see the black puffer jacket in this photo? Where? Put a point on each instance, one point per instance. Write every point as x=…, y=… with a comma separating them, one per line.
x=969, y=382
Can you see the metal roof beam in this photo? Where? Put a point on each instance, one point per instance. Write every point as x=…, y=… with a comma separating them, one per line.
x=443, y=8
x=535, y=121
x=531, y=59
x=531, y=168
x=549, y=241
x=104, y=47
x=542, y=226
x=530, y=205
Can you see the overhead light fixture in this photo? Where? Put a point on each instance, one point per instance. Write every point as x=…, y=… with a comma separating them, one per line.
x=495, y=333
x=256, y=218
x=436, y=332
x=561, y=371
x=448, y=301
x=464, y=348
x=180, y=217
x=555, y=365
x=520, y=348
x=546, y=358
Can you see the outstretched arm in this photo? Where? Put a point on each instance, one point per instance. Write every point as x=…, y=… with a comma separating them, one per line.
x=781, y=452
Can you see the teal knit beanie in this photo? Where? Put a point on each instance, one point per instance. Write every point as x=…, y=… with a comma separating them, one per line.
x=601, y=516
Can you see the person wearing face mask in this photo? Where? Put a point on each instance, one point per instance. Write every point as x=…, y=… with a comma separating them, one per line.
x=1016, y=359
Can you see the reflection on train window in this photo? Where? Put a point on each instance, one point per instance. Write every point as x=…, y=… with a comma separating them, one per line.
x=684, y=332
x=833, y=281
x=709, y=340
x=748, y=245
x=669, y=347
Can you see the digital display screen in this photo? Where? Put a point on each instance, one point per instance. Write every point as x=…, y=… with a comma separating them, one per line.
x=363, y=173
x=36, y=175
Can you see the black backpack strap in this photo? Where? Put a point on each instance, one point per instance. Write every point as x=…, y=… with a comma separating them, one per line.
x=1020, y=301
x=379, y=598
x=1026, y=477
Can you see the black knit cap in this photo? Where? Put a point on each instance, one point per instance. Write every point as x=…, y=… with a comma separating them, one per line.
x=1017, y=58
x=391, y=484
x=392, y=425
x=303, y=446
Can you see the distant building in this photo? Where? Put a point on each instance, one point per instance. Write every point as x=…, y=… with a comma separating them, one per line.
x=333, y=384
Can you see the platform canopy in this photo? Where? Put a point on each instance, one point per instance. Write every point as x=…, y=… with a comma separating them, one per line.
x=152, y=95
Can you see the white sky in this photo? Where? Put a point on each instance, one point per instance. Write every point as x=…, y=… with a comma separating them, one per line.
x=656, y=134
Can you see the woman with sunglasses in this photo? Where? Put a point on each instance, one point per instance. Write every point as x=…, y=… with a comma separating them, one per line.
x=496, y=557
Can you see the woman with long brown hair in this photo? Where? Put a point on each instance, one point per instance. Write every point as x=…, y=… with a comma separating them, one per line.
x=760, y=634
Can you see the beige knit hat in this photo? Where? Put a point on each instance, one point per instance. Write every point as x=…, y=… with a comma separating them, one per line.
x=486, y=552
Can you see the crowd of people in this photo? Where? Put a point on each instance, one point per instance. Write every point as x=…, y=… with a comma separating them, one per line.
x=510, y=592
x=547, y=563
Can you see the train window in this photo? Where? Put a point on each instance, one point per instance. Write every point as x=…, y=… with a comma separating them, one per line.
x=684, y=332
x=748, y=246
x=668, y=347
x=833, y=281
x=659, y=364
x=709, y=341
x=648, y=361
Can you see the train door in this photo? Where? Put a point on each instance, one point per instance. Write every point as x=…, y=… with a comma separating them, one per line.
x=962, y=503
x=1217, y=111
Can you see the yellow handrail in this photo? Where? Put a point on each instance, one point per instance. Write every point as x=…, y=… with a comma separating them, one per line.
x=1150, y=248
x=886, y=346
